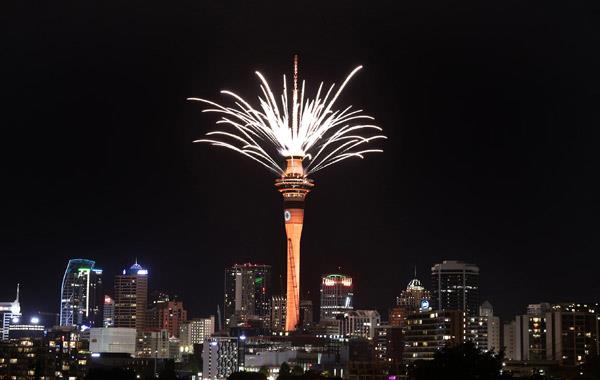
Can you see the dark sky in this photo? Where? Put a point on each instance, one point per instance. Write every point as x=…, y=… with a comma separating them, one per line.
x=491, y=109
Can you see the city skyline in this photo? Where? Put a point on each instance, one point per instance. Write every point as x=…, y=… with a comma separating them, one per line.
x=490, y=157
x=262, y=272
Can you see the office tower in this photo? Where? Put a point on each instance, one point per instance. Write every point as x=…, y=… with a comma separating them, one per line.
x=413, y=299
x=413, y=296
x=9, y=311
x=278, y=305
x=108, y=317
x=572, y=333
x=427, y=332
x=359, y=323
x=337, y=291
x=195, y=331
x=306, y=314
x=131, y=297
x=530, y=333
x=168, y=315
x=81, y=294
x=247, y=293
x=455, y=286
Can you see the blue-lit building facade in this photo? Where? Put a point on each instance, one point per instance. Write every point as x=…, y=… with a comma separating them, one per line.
x=81, y=297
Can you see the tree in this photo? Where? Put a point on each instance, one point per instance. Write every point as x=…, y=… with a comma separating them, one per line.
x=297, y=371
x=110, y=373
x=464, y=362
x=168, y=372
x=243, y=375
x=264, y=370
x=284, y=370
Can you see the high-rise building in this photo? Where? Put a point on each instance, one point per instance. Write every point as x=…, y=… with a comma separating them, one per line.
x=306, y=314
x=196, y=331
x=572, y=333
x=9, y=311
x=359, y=323
x=278, y=305
x=247, y=293
x=566, y=333
x=413, y=296
x=509, y=335
x=81, y=294
x=131, y=297
x=427, y=332
x=413, y=299
x=530, y=333
x=169, y=315
x=108, y=316
x=337, y=292
x=455, y=286
x=389, y=343
x=493, y=326
x=484, y=330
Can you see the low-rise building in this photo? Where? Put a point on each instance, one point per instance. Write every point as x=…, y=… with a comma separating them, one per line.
x=221, y=356
x=113, y=340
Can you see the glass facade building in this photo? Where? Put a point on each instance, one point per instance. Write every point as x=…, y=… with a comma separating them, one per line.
x=81, y=297
x=247, y=293
x=337, y=292
x=455, y=286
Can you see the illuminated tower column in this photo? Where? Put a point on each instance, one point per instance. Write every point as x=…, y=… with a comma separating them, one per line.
x=294, y=186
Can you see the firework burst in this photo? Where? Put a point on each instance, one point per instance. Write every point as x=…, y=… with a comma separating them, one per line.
x=297, y=126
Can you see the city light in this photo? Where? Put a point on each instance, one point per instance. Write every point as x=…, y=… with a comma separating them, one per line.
x=35, y=320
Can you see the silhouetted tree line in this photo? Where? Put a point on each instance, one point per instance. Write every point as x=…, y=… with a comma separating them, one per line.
x=466, y=362
x=285, y=373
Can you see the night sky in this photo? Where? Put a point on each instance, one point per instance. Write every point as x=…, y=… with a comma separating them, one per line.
x=491, y=109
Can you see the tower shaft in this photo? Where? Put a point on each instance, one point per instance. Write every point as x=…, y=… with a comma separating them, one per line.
x=294, y=186
x=293, y=231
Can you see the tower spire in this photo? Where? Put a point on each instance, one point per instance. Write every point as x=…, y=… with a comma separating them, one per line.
x=415, y=271
x=17, y=299
x=296, y=73
x=295, y=105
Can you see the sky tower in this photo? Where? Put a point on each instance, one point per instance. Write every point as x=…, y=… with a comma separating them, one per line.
x=294, y=186
x=304, y=131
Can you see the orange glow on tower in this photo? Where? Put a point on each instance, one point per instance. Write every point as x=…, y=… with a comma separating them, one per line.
x=294, y=186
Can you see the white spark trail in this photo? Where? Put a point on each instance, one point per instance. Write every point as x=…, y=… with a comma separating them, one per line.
x=303, y=127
